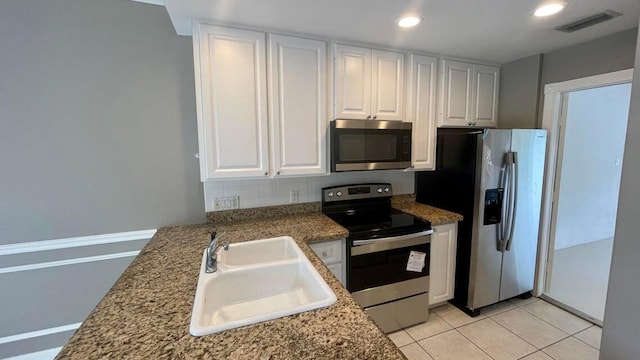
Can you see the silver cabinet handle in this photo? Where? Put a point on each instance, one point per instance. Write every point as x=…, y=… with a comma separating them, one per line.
x=375, y=117
x=324, y=254
x=368, y=117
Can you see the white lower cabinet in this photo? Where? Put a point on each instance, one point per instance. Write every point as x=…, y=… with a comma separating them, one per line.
x=333, y=254
x=442, y=268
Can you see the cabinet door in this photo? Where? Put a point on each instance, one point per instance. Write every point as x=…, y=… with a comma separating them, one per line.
x=387, y=85
x=352, y=82
x=298, y=83
x=334, y=255
x=442, y=266
x=485, y=105
x=456, y=93
x=231, y=92
x=421, y=103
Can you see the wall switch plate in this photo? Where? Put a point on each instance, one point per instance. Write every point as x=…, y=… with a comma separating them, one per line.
x=226, y=203
x=294, y=196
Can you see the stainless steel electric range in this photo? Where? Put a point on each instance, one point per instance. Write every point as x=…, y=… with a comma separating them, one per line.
x=387, y=253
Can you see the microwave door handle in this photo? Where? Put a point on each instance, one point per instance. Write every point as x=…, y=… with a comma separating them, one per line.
x=514, y=192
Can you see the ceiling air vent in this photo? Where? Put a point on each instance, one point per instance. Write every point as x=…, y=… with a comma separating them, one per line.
x=588, y=21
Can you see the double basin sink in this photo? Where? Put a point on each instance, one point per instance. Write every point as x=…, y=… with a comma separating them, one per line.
x=256, y=281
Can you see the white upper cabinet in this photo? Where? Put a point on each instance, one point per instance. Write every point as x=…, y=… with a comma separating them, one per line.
x=231, y=92
x=387, y=85
x=485, y=106
x=352, y=82
x=421, y=109
x=298, y=90
x=469, y=94
x=369, y=84
x=253, y=122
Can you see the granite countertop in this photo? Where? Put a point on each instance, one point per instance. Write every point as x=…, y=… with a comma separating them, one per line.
x=146, y=313
x=408, y=204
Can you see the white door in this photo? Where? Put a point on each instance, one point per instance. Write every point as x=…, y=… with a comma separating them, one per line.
x=421, y=109
x=485, y=95
x=387, y=85
x=231, y=91
x=298, y=82
x=352, y=82
x=456, y=95
x=442, y=267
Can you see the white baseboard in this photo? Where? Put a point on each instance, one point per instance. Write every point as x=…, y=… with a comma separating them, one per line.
x=54, y=268
x=48, y=354
x=49, y=264
x=38, y=333
x=44, y=245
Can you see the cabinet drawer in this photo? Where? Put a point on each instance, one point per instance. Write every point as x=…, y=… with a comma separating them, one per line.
x=329, y=252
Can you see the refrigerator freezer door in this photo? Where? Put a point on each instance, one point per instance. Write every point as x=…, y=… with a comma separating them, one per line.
x=518, y=265
x=486, y=260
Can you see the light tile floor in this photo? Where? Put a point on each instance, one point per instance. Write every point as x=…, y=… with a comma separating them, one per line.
x=529, y=329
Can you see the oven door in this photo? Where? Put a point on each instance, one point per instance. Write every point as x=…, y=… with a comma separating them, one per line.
x=378, y=268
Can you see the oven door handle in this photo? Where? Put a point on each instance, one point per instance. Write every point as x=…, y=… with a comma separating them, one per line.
x=395, y=242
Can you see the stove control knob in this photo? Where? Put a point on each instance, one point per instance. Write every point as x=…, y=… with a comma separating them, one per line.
x=330, y=194
x=379, y=190
x=386, y=189
x=339, y=193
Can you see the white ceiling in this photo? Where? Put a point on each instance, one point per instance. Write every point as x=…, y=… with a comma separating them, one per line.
x=496, y=31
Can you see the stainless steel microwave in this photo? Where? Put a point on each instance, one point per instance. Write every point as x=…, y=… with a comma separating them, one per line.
x=370, y=145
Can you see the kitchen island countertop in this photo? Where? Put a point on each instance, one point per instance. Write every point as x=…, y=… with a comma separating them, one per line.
x=146, y=314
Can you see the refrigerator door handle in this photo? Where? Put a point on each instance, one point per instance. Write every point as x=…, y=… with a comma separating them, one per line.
x=514, y=196
x=502, y=226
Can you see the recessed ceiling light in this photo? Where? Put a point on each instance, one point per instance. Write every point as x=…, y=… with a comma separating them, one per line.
x=549, y=8
x=409, y=21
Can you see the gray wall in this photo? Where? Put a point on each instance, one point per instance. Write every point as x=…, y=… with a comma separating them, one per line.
x=621, y=319
x=519, y=91
x=611, y=53
x=97, y=118
x=518, y=78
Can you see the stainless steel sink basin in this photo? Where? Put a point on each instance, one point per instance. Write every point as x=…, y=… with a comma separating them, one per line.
x=264, y=280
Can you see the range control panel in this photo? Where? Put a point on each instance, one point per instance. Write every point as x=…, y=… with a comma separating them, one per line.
x=356, y=191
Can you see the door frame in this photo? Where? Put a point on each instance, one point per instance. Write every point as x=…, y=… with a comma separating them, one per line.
x=553, y=110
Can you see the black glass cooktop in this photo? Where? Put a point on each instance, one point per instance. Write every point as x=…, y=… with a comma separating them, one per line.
x=372, y=224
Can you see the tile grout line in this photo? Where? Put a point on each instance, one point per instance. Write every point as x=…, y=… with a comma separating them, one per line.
x=518, y=336
x=584, y=342
x=566, y=332
x=453, y=329
x=478, y=346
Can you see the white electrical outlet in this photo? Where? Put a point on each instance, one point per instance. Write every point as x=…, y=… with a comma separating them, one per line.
x=293, y=196
x=226, y=203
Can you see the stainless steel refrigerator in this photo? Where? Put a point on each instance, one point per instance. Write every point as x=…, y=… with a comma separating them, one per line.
x=493, y=178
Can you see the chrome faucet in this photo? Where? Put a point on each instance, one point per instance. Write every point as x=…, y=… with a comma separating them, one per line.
x=212, y=252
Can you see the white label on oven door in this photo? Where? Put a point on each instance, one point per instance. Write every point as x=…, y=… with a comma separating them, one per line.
x=416, y=261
